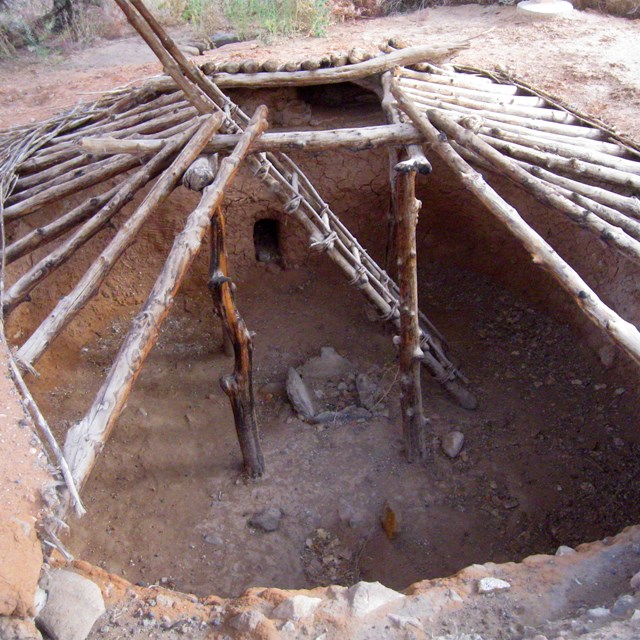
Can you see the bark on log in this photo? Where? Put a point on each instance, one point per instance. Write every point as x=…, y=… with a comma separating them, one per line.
x=413, y=421
x=89, y=284
x=463, y=80
x=239, y=385
x=354, y=139
x=489, y=121
x=118, y=165
x=622, y=332
x=624, y=204
x=19, y=291
x=86, y=438
x=331, y=75
x=527, y=117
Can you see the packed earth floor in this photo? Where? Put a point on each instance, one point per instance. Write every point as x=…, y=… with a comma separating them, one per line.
x=555, y=438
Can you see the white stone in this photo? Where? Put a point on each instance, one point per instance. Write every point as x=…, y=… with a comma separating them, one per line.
x=452, y=443
x=404, y=621
x=295, y=608
x=491, y=585
x=455, y=596
x=247, y=620
x=288, y=626
x=635, y=582
x=73, y=606
x=636, y=616
x=565, y=551
x=366, y=597
x=598, y=612
x=300, y=395
x=329, y=365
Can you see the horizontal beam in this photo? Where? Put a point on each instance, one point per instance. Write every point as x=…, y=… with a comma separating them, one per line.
x=355, y=139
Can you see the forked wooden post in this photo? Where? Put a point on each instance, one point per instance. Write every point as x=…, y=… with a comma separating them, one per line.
x=238, y=385
x=413, y=421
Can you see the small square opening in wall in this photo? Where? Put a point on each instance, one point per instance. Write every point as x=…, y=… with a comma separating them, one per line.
x=266, y=240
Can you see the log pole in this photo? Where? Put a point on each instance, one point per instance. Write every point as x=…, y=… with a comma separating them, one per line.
x=87, y=437
x=619, y=330
x=69, y=306
x=413, y=421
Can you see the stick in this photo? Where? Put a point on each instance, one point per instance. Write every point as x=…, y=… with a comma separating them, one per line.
x=47, y=265
x=380, y=64
x=353, y=139
x=621, y=331
x=28, y=400
x=114, y=167
x=86, y=438
x=90, y=282
x=47, y=233
x=413, y=421
x=545, y=193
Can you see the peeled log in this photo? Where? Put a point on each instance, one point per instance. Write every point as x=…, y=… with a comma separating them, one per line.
x=622, y=332
x=86, y=438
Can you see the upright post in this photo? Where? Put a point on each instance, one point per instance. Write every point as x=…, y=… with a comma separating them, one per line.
x=413, y=421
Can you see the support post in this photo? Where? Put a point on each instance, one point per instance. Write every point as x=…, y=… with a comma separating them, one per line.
x=238, y=385
x=413, y=421
x=87, y=437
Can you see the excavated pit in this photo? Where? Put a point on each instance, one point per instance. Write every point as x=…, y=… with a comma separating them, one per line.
x=551, y=456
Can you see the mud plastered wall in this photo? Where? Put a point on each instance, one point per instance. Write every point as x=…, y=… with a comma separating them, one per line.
x=454, y=230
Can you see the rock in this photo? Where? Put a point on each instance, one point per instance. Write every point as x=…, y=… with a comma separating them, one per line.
x=288, y=627
x=598, y=612
x=452, y=443
x=636, y=616
x=267, y=519
x=607, y=354
x=348, y=413
x=624, y=606
x=365, y=597
x=492, y=585
x=73, y=606
x=329, y=365
x=565, y=551
x=300, y=395
x=222, y=38
x=404, y=621
x=213, y=538
x=18, y=629
x=247, y=621
x=367, y=390
x=635, y=582
x=189, y=50
x=454, y=595
x=295, y=608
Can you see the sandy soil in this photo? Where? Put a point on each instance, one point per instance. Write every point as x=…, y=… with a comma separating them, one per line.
x=588, y=59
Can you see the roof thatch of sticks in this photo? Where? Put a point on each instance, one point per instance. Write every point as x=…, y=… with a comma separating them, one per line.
x=473, y=120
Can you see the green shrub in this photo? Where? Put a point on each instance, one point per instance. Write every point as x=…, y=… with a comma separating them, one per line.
x=270, y=18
